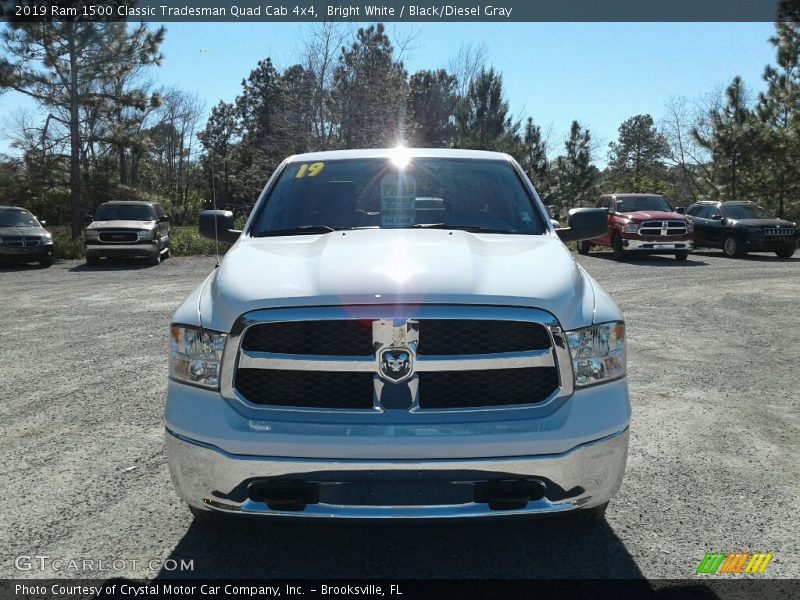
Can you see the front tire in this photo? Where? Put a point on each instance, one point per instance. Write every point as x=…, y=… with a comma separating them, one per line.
x=46, y=262
x=785, y=252
x=590, y=515
x=91, y=261
x=681, y=255
x=206, y=516
x=155, y=259
x=583, y=247
x=733, y=247
x=617, y=248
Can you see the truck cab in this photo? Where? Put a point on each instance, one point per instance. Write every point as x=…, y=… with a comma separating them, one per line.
x=642, y=223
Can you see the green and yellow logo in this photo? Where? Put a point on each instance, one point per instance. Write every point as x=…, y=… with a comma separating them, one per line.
x=737, y=562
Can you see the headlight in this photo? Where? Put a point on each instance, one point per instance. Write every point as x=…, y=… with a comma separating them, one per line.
x=47, y=238
x=196, y=355
x=598, y=353
x=632, y=227
x=145, y=234
x=91, y=234
x=689, y=226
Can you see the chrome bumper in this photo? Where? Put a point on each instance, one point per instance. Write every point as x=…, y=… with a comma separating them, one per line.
x=585, y=476
x=659, y=246
x=127, y=249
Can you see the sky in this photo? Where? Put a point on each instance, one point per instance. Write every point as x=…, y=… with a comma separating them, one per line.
x=597, y=73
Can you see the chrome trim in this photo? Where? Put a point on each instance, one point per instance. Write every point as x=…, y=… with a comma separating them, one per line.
x=663, y=228
x=779, y=231
x=687, y=245
x=389, y=322
x=204, y=475
x=127, y=232
x=22, y=241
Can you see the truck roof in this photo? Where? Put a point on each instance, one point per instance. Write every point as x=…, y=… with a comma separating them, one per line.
x=390, y=152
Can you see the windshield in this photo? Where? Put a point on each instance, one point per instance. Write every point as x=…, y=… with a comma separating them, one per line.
x=17, y=217
x=124, y=212
x=746, y=211
x=444, y=193
x=642, y=203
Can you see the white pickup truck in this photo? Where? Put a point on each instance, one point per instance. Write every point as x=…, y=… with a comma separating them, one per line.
x=398, y=333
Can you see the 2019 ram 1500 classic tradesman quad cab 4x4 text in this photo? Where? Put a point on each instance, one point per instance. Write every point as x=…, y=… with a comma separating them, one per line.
x=642, y=223
x=398, y=333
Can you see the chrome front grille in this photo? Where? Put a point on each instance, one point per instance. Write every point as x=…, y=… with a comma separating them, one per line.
x=663, y=228
x=779, y=231
x=118, y=237
x=418, y=359
x=20, y=241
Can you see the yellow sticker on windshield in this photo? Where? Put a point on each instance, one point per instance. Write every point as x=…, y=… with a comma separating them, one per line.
x=309, y=170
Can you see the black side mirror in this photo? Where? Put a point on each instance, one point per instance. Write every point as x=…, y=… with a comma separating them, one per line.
x=680, y=210
x=716, y=217
x=584, y=224
x=164, y=219
x=218, y=225
x=87, y=220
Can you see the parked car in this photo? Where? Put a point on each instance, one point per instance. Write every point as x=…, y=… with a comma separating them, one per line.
x=643, y=223
x=742, y=227
x=398, y=334
x=128, y=228
x=23, y=237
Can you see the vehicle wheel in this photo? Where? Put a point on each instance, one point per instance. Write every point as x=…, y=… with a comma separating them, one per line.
x=617, y=247
x=91, y=261
x=167, y=253
x=583, y=247
x=733, y=247
x=46, y=262
x=785, y=252
x=155, y=259
x=681, y=255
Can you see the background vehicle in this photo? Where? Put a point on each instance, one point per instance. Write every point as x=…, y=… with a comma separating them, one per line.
x=128, y=229
x=742, y=227
x=398, y=334
x=642, y=223
x=23, y=238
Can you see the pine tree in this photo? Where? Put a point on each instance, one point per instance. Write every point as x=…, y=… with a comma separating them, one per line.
x=635, y=161
x=575, y=175
x=779, y=111
x=431, y=100
x=534, y=159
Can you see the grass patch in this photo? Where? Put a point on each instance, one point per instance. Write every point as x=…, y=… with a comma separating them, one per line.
x=186, y=241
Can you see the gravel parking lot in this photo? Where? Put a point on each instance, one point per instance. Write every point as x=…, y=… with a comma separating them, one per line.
x=713, y=369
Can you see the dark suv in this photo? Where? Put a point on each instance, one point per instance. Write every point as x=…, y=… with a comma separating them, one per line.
x=128, y=229
x=23, y=238
x=742, y=227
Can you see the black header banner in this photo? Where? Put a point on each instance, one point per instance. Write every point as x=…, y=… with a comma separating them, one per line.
x=395, y=10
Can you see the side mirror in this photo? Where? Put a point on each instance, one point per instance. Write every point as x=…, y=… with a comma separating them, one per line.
x=164, y=219
x=218, y=225
x=680, y=210
x=42, y=223
x=584, y=224
x=716, y=217
x=87, y=220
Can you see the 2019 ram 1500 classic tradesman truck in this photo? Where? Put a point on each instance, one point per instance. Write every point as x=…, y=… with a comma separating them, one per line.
x=642, y=223
x=398, y=333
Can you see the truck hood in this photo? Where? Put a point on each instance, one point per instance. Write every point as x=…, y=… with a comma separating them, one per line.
x=761, y=222
x=395, y=267
x=27, y=230
x=653, y=215
x=120, y=225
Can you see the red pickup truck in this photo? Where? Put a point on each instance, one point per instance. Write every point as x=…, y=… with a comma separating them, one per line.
x=642, y=223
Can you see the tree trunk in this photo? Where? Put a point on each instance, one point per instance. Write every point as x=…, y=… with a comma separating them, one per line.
x=74, y=139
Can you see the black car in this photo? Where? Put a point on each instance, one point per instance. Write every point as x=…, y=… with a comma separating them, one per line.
x=742, y=227
x=23, y=238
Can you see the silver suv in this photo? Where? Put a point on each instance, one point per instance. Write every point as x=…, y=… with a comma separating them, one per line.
x=133, y=229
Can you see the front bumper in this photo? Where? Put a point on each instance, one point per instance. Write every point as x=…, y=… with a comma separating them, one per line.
x=397, y=470
x=26, y=254
x=770, y=245
x=658, y=246
x=208, y=478
x=131, y=250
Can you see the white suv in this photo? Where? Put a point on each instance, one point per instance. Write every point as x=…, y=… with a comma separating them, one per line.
x=398, y=333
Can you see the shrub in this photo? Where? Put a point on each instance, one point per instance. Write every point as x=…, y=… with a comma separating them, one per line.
x=186, y=241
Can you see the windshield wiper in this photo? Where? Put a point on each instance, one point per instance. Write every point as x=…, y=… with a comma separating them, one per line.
x=301, y=230
x=469, y=228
